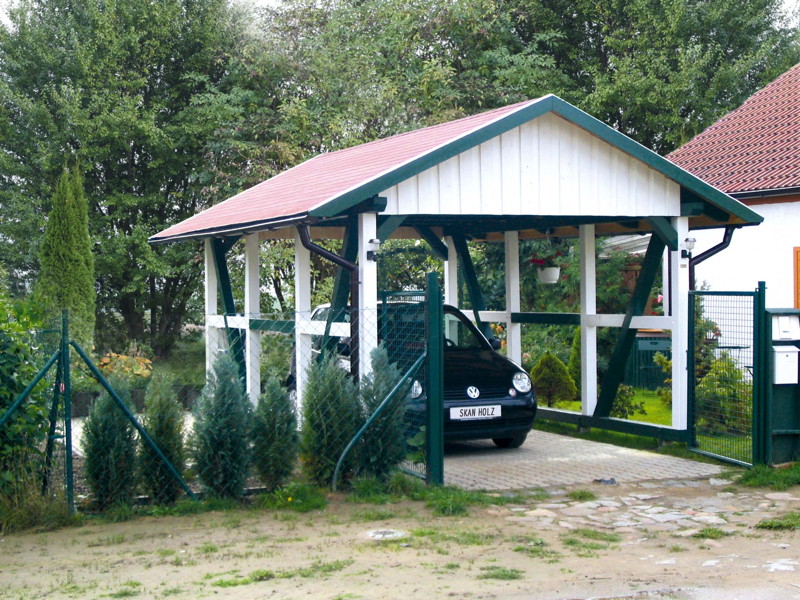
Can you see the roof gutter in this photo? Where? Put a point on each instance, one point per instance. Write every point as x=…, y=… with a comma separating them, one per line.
x=696, y=260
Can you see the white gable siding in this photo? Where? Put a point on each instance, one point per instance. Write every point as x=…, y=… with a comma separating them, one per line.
x=547, y=166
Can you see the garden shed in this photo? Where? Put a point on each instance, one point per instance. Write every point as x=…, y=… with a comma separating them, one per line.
x=528, y=170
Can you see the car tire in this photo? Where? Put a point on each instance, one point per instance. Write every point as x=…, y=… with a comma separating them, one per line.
x=511, y=442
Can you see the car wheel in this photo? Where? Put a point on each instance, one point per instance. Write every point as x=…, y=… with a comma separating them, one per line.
x=511, y=442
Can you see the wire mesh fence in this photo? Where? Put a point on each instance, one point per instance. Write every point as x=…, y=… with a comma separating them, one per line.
x=317, y=396
x=722, y=363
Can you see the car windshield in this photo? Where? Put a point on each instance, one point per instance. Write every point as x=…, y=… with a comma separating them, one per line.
x=460, y=333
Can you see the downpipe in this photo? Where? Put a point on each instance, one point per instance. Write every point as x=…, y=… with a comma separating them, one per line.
x=305, y=240
x=696, y=260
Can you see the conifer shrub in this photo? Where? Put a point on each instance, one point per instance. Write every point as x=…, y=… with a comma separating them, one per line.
x=383, y=444
x=331, y=417
x=552, y=380
x=276, y=443
x=574, y=364
x=109, y=444
x=66, y=280
x=163, y=421
x=625, y=404
x=221, y=441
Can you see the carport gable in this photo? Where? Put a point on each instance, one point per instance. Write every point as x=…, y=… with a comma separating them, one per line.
x=542, y=157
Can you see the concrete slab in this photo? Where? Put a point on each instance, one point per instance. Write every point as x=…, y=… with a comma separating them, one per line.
x=548, y=459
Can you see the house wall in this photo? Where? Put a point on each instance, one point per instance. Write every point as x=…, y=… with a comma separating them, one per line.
x=547, y=166
x=760, y=253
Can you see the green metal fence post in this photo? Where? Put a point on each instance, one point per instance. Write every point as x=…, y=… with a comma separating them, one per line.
x=762, y=437
x=691, y=368
x=435, y=407
x=67, y=411
x=51, y=430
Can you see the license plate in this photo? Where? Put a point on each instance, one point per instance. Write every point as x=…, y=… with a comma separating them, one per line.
x=466, y=413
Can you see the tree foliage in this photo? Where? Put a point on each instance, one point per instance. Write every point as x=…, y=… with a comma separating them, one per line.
x=174, y=105
x=66, y=276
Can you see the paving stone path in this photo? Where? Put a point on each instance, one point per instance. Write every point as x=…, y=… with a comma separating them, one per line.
x=548, y=459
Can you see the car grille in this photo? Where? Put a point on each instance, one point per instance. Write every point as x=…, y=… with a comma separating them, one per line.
x=487, y=393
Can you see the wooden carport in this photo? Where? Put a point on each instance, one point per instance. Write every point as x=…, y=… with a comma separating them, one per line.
x=512, y=173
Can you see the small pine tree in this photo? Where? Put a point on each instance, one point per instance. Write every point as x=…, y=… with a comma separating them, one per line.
x=552, y=380
x=330, y=420
x=275, y=439
x=109, y=443
x=383, y=445
x=221, y=442
x=66, y=278
x=163, y=420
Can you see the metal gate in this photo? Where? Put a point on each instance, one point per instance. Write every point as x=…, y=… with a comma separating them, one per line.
x=724, y=373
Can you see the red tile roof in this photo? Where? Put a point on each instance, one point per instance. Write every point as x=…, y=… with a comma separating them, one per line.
x=295, y=192
x=754, y=148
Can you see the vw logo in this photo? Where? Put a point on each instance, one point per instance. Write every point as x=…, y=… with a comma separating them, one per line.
x=473, y=392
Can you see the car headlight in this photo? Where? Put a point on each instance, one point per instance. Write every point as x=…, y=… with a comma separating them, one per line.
x=416, y=389
x=521, y=382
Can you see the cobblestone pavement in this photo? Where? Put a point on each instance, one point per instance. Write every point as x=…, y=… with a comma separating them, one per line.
x=548, y=459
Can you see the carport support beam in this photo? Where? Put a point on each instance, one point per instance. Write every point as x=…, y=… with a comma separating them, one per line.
x=513, y=330
x=252, y=310
x=588, y=329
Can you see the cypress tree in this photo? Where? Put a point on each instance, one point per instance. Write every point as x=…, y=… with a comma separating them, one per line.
x=66, y=278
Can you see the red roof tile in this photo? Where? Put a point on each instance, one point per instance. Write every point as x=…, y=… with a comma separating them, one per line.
x=323, y=178
x=754, y=148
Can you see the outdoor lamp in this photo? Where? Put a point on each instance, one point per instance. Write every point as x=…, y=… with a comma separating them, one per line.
x=372, y=249
x=689, y=246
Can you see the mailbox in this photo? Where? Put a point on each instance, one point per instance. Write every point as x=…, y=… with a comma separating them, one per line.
x=785, y=365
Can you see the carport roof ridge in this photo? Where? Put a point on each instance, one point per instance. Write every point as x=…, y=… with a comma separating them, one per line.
x=332, y=183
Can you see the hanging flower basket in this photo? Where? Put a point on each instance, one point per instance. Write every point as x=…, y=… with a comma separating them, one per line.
x=549, y=274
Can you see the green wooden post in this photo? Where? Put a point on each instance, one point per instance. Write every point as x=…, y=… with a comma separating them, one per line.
x=627, y=335
x=471, y=279
x=220, y=246
x=435, y=406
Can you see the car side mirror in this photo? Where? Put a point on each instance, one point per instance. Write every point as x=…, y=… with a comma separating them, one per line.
x=495, y=343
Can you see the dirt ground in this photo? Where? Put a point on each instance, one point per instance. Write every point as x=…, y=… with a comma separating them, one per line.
x=678, y=540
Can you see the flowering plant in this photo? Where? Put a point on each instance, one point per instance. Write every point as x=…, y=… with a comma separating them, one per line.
x=549, y=260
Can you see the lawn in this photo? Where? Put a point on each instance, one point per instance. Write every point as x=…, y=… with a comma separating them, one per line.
x=655, y=411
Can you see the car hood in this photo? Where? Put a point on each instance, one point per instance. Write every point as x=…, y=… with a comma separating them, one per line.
x=481, y=368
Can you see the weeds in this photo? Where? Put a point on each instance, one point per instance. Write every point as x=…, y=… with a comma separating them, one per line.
x=299, y=497
x=582, y=495
x=789, y=521
x=536, y=547
x=501, y=573
x=776, y=479
x=711, y=533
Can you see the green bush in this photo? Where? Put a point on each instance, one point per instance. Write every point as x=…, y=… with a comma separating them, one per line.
x=331, y=418
x=275, y=439
x=664, y=392
x=552, y=381
x=574, y=364
x=221, y=441
x=109, y=444
x=383, y=444
x=724, y=398
x=163, y=420
x=625, y=406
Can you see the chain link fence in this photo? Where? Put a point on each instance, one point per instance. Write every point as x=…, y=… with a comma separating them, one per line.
x=324, y=397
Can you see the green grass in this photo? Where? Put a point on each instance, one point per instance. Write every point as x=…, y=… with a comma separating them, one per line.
x=711, y=533
x=316, y=569
x=582, y=495
x=299, y=497
x=536, y=547
x=501, y=573
x=788, y=521
x=776, y=479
